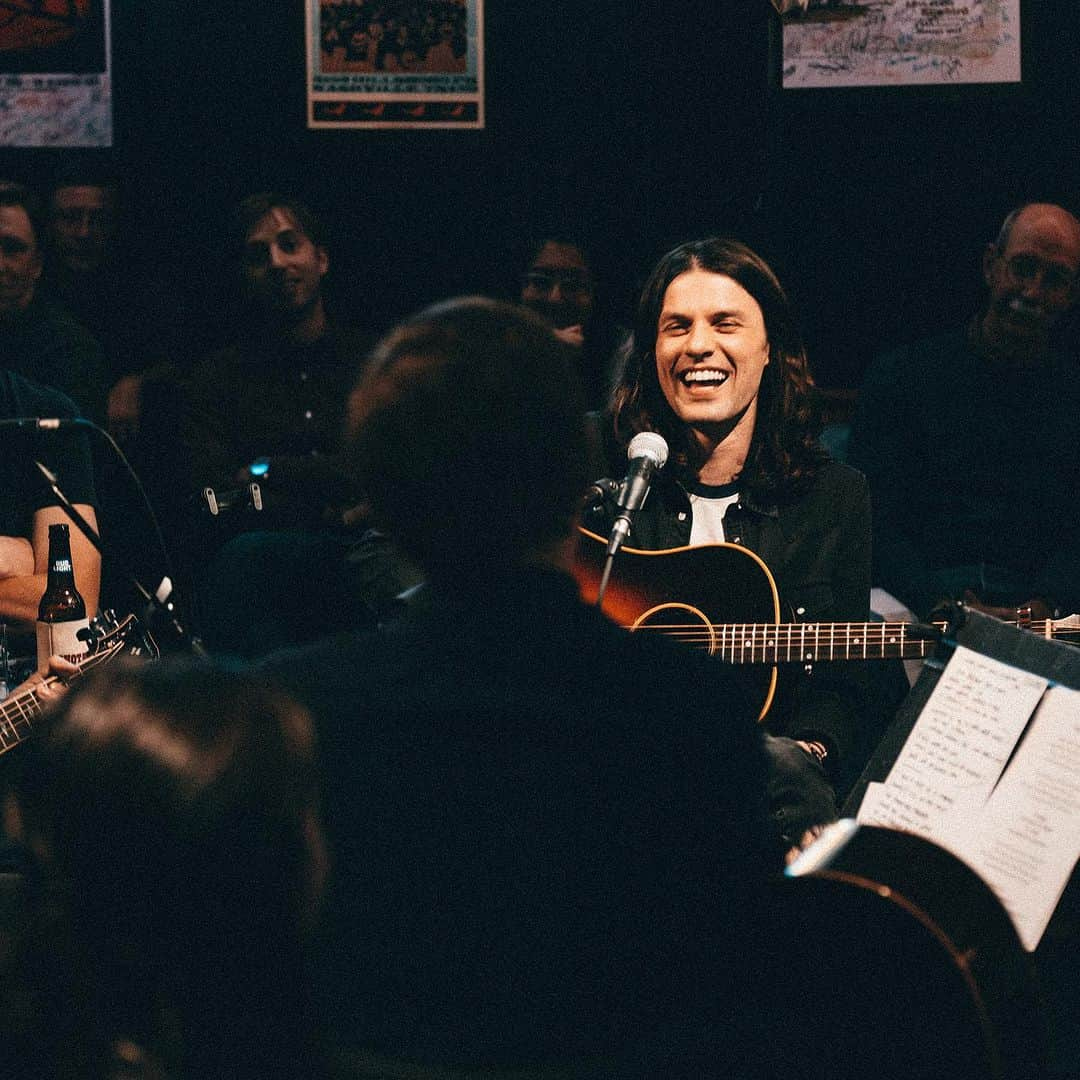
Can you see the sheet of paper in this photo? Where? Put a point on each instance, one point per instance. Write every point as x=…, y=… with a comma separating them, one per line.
x=958, y=746
x=1026, y=841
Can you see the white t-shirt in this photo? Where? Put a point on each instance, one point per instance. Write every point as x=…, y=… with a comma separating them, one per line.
x=709, y=503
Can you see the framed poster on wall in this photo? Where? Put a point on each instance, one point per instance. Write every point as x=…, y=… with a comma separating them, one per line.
x=395, y=63
x=899, y=42
x=55, y=81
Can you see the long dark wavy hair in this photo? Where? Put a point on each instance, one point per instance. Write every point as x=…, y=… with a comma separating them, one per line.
x=784, y=454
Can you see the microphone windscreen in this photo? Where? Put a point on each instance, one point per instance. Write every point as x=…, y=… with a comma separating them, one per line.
x=648, y=444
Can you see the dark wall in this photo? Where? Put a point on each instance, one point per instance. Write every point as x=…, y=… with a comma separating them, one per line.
x=650, y=122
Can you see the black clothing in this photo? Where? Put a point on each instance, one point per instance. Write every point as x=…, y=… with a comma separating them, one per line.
x=547, y=834
x=23, y=490
x=286, y=405
x=817, y=547
x=973, y=471
x=44, y=342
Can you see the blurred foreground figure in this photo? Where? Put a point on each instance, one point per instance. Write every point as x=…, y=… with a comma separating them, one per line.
x=174, y=863
x=549, y=834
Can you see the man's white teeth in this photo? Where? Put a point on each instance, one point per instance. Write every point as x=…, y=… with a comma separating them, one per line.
x=698, y=375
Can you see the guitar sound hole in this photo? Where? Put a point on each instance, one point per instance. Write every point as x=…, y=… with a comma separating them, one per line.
x=681, y=621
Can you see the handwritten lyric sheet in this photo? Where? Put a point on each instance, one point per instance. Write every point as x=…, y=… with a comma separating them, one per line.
x=1017, y=827
x=958, y=746
x=1027, y=839
x=900, y=42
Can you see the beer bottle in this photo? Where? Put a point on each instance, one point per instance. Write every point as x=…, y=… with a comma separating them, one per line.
x=62, y=611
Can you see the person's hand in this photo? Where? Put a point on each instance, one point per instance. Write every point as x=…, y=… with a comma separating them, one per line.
x=571, y=335
x=16, y=557
x=804, y=842
x=51, y=684
x=801, y=799
x=1029, y=611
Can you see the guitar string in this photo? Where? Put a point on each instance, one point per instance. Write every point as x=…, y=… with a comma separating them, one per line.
x=20, y=711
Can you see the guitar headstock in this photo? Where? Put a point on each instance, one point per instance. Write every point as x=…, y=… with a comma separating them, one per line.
x=110, y=636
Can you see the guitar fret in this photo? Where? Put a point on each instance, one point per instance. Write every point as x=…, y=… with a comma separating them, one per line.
x=785, y=643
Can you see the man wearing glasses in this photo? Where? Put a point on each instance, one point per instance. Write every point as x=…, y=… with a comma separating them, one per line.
x=967, y=440
x=560, y=284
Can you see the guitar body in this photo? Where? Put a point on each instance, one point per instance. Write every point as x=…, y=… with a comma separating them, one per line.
x=682, y=592
x=902, y=962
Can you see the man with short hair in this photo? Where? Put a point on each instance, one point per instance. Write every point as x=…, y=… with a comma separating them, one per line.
x=277, y=395
x=82, y=224
x=548, y=834
x=966, y=439
x=39, y=338
x=269, y=409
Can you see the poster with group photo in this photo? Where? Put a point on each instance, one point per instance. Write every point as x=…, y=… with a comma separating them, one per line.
x=55, y=85
x=395, y=63
x=899, y=42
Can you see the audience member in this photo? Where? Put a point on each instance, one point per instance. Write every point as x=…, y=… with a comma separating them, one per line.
x=39, y=338
x=83, y=226
x=27, y=504
x=174, y=863
x=560, y=284
x=717, y=367
x=270, y=410
x=965, y=440
x=277, y=396
x=538, y=862
x=90, y=270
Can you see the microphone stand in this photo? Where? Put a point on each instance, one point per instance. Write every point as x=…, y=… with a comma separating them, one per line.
x=597, y=493
x=157, y=603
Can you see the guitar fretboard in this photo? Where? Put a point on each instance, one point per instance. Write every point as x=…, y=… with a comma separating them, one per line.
x=18, y=712
x=16, y=716
x=797, y=643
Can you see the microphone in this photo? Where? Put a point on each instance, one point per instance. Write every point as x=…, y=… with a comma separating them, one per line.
x=40, y=423
x=648, y=453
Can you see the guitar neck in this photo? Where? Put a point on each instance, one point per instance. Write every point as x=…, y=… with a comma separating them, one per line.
x=805, y=643
x=17, y=716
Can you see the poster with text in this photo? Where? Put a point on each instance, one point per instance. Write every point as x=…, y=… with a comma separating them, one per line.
x=55, y=84
x=395, y=63
x=900, y=42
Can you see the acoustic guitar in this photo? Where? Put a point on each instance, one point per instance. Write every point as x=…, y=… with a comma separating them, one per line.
x=722, y=598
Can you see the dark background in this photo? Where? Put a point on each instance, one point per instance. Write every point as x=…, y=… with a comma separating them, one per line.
x=650, y=123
